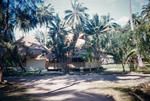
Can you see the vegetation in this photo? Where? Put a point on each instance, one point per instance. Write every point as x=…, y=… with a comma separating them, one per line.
x=22, y=13
x=107, y=37
x=128, y=45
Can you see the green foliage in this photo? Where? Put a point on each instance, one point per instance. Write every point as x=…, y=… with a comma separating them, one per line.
x=25, y=14
x=57, y=33
x=146, y=11
x=107, y=36
x=77, y=16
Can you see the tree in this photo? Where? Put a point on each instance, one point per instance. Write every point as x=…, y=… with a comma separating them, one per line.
x=97, y=26
x=18, y=12
x=57, y=42
x=76, y=18
x=41, y=37
x=45, y=14
x=146, y=10
x=146, y=13
x=140, y=41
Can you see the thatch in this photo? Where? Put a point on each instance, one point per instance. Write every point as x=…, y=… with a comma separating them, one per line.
x=30, y=46
x=80, y=41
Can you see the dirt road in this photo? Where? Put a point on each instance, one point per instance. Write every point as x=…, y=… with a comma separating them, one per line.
x=89, y=87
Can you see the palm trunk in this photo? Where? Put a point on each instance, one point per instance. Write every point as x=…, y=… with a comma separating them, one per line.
x=131, y=19
x=75, y=38
x=97, y=53
x=1, y=15
x=1, y=74
x=139, y=58
x=123, y=67
x=140, y=61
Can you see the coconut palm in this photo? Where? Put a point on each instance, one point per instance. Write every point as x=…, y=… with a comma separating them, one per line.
x=134, y=25
x=131, y=20
x=18, y=12
x=146, y=11
x=137, y=39
x=41, y=37
x=42, y=15
x=57, y=33
x=99, y=25
x=77, y=16
x=96, y=27
x=45, y=13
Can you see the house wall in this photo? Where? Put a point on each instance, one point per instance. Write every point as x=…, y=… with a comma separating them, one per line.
x=33, y=64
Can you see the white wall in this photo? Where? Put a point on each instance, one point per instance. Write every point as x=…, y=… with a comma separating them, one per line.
x=33, y=64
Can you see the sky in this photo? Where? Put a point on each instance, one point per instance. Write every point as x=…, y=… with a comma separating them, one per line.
x=118, y=9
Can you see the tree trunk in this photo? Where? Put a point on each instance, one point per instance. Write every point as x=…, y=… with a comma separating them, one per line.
x=123, y=67
x=66, y=61
x=139, y=60
x=1, y=74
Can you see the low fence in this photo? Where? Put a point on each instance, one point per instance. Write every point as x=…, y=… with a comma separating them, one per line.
x=41, y=64
x=73, y=65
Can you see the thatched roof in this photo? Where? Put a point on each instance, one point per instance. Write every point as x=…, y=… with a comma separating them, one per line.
x=31, y=46
x=80, y=41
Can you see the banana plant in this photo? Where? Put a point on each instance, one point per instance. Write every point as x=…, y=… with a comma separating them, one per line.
x=96, y=27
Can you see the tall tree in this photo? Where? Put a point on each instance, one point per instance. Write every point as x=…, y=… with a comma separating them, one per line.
x=57, y=33
x=76, y=18
x=97, y=26
x=130, y=10
x=146, y=10
x=18, y=12
x=132, y=24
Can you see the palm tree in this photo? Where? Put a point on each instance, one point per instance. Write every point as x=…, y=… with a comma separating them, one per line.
x=57, y=30
x=139, y=59
x=43, y=15
x=41, y=37
x=131, y=20
x=99, y=26
x=77, y=16
x=23, y=14
x=146, y=11
x=96, y=27
x=57, y=33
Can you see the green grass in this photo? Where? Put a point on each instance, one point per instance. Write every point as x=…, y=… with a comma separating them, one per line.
x=117, y=68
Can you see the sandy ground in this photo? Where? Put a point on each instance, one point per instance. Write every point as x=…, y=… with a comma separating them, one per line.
x=89, y=87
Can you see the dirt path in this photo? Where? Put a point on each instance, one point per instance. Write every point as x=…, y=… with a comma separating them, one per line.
x=91, y=87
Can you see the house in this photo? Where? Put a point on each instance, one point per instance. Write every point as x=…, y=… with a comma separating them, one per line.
x=32, y=52
x=73, y=62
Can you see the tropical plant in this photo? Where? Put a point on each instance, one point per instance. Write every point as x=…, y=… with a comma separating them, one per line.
x=146, y=11
x=57, y=39
x=96, y=27
x=140, y=41
x=41, y=37
x=45, y=14
x=77, y=16
x=20, y=13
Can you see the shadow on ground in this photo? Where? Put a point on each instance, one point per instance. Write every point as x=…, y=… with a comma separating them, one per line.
x=17, y=93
